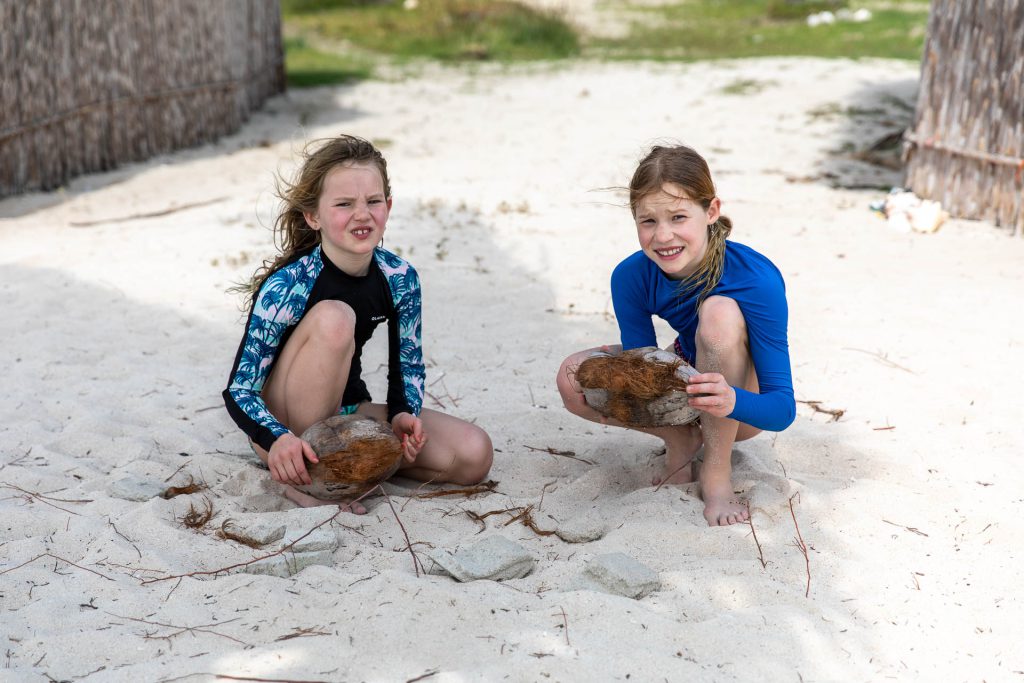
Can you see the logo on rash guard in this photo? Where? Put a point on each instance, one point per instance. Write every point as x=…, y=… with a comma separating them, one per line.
x=378, y=318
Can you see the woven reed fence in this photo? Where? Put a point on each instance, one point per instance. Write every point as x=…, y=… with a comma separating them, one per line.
x=966, y=149
x=86, y=85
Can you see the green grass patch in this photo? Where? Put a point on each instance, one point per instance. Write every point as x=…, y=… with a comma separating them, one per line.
x=717, y=29
x=333, y=41
x=446, y=30
x=306, y=67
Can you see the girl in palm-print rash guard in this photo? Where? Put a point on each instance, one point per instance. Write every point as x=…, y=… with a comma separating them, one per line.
x=313, y=309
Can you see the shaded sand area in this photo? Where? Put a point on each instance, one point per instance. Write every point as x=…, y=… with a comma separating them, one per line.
x=119, y=335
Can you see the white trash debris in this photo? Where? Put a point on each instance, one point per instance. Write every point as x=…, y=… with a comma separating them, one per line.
x=906, y=212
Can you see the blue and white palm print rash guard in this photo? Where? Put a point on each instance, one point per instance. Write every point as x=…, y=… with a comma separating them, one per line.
x=390, y=292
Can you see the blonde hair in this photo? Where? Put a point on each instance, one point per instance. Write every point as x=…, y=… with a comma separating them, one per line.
x=292, y=233
x=684, y=167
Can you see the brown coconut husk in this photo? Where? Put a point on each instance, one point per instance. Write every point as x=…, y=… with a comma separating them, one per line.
x=642, y=387
x=355, y=454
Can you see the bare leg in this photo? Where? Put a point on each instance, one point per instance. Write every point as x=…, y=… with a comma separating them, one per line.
x=456, y=451
x=310, y=375
x=681, y=443
x=722, y=347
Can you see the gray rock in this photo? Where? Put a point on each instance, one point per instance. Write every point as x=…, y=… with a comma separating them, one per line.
x=321, y=539
x=495, y=558
x=288, y=564
x=620, y=574
x=583, y=528
x=136, y=488
x=262, y=530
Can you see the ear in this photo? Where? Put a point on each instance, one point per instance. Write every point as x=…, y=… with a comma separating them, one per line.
x=714, y=210
x=389, y=204
x=311, y=220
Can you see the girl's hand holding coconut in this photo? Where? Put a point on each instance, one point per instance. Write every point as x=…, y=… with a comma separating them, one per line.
x=710, y=393
x=409, y=430
x=286, y=460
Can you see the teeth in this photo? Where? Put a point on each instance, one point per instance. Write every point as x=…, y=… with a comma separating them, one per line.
x=669, y=252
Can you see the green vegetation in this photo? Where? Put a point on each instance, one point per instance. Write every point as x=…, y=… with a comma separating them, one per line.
x=446, y=30
x=306, y=66
x=330, y=41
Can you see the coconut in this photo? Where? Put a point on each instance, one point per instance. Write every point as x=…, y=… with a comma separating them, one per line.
x=644, y=387
x=355, y=454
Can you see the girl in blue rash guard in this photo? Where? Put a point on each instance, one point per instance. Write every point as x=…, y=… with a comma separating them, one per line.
x=726, y=302
x=312, y=310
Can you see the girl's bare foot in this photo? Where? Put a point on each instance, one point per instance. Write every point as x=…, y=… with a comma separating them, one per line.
x=307, y=501
x=721, y=507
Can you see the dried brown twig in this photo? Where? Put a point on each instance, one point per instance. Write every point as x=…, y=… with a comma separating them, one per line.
x=32, y=495
x=303, y=632
x=284, y=549
x=485, y=487
x=205, y=628
x=750, y=521
x=56, y=557
x=908, y=528
x=565, y=622
x=673, y=473
x=526, y=517
x=416, y=564
x=197, y=519
x=191, y=487
x=554, y=451
x=147, y=214
x=800, y=545
x=816, y=405
x=226, y=533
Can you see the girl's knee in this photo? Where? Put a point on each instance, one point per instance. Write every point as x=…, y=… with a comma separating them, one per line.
x=567, y=387
x=476, y=455
x=333, y=323
x=721, y=323
x=562, y=379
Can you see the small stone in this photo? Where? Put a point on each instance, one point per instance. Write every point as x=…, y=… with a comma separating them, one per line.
x=288, y=564
x=620, y=574
x=495, y=558
x=582, y=528
x=136, y=488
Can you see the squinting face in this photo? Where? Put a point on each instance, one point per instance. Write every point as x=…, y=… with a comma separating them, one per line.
x=673, y=229
x=351, y=214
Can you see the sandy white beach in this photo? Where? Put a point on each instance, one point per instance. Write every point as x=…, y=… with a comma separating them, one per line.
x=119, y=336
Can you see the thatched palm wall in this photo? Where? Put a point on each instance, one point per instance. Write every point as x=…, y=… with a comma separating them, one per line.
x=88, y=84
x=967, y=146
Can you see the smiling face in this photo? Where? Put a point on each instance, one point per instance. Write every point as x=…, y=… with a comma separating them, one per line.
x=351, y=215
x=673, y=229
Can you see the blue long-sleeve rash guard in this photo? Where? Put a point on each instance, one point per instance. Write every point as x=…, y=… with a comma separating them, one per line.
x=640, y=290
